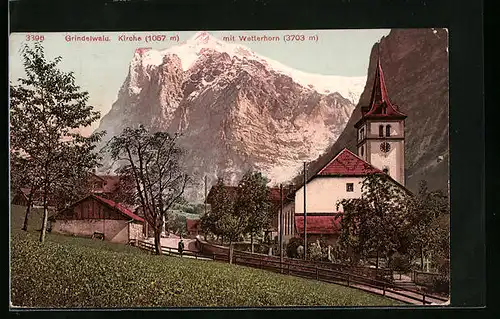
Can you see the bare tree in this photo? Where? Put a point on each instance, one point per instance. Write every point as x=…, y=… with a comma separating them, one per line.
x=153, y=161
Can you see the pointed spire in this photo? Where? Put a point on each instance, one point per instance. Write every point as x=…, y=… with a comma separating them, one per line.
x=380, y=104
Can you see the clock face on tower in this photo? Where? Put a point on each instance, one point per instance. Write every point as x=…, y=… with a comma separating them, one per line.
x=385, y=147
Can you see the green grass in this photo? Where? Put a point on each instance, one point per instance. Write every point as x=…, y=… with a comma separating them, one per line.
x=80, y=272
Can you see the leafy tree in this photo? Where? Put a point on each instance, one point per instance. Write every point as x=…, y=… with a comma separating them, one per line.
x=400, y=263
x=427, y=228
x=223, y=219
x=153, y=162
x=253, y=202
x=47, y=109
x=370, y=225
x=125, y=191
x=178, y=225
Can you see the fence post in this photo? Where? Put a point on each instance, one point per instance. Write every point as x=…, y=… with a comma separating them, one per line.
x=317, y=272
x=288, y=268
x=214, y=256
x=423, y=298
x=383, y=289
x=347, y=280
x=260, y=263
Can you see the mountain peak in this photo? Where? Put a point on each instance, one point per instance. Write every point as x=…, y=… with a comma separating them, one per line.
x=203, y=37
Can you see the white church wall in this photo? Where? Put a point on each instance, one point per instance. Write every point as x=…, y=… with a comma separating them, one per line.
x=322, y=194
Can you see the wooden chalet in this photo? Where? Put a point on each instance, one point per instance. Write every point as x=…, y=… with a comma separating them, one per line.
x=96, y=216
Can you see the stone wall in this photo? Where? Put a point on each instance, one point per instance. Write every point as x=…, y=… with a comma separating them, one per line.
x=114, y=230
x=135, y=230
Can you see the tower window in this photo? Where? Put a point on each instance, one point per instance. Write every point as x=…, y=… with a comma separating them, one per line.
x=386, y=170
x=388, y=131
x=362, y=133
x=381, y=131
x=349, y=187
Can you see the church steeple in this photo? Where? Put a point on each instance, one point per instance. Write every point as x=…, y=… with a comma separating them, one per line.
x=381, y=128
x=380, y=105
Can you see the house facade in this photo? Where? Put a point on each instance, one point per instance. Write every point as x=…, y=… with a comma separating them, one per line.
x=96, y=215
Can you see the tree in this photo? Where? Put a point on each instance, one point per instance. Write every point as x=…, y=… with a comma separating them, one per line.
x=125, y=191
x=47, y=109
x=178, y=225
x=253, y=202
x=71, y=188
x=371, y=224
x=153, y=161
x=427, y=229
x=224, y=219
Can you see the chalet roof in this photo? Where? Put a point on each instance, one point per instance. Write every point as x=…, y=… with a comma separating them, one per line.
x=120, y=208
x=274, y=193
x=319, y=224
x=380, y=106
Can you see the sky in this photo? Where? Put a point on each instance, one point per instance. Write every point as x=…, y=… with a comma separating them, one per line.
x=101, y=67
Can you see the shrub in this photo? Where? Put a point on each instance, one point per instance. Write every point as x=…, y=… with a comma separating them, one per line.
x=400, y=263
x=291, y=247
x=441, y=284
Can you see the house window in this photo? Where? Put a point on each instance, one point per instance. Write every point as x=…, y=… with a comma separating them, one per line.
x=362, y=150
x=386, y=170
x=388, y=131
x=349, y=187
x=381, y=131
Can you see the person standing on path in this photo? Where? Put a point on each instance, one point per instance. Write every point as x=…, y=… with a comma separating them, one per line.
x=180, y=247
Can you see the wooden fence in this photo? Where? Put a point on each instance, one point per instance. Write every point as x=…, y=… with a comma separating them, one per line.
x=309, y=271
x=167, y=250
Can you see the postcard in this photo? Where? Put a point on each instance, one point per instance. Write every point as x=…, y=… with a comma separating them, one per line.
x=265, y=168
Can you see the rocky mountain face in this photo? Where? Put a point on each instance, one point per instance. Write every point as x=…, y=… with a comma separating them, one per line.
x=415, y=65
x=235, y=109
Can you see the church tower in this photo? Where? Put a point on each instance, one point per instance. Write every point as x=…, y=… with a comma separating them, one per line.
x=381, y=131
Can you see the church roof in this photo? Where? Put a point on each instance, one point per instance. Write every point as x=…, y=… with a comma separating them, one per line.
x=380, y=106
x=346, y=163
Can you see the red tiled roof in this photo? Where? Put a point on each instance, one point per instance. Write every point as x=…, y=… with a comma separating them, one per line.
x=122, y=209
x=325, y=224
x=192, y=225
x=380, y=106
x=349, y=164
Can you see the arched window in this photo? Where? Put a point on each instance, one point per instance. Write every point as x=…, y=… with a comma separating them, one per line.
x=381, y=131
x=388, y=130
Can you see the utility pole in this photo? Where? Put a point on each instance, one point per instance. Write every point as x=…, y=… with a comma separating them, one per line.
x=305, y=214
x=205, y=194
x=281, y=227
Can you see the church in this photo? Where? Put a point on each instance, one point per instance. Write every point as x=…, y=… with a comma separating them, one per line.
x=380, y=150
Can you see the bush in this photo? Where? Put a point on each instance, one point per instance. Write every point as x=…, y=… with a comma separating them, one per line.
x=441, y=284
x=400, y=263
x=291, y=247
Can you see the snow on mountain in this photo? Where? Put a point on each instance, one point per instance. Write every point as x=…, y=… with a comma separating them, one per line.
x=236, y=109
x=190, y=50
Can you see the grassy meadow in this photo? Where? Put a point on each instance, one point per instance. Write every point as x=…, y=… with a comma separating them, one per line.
x=79, y=272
